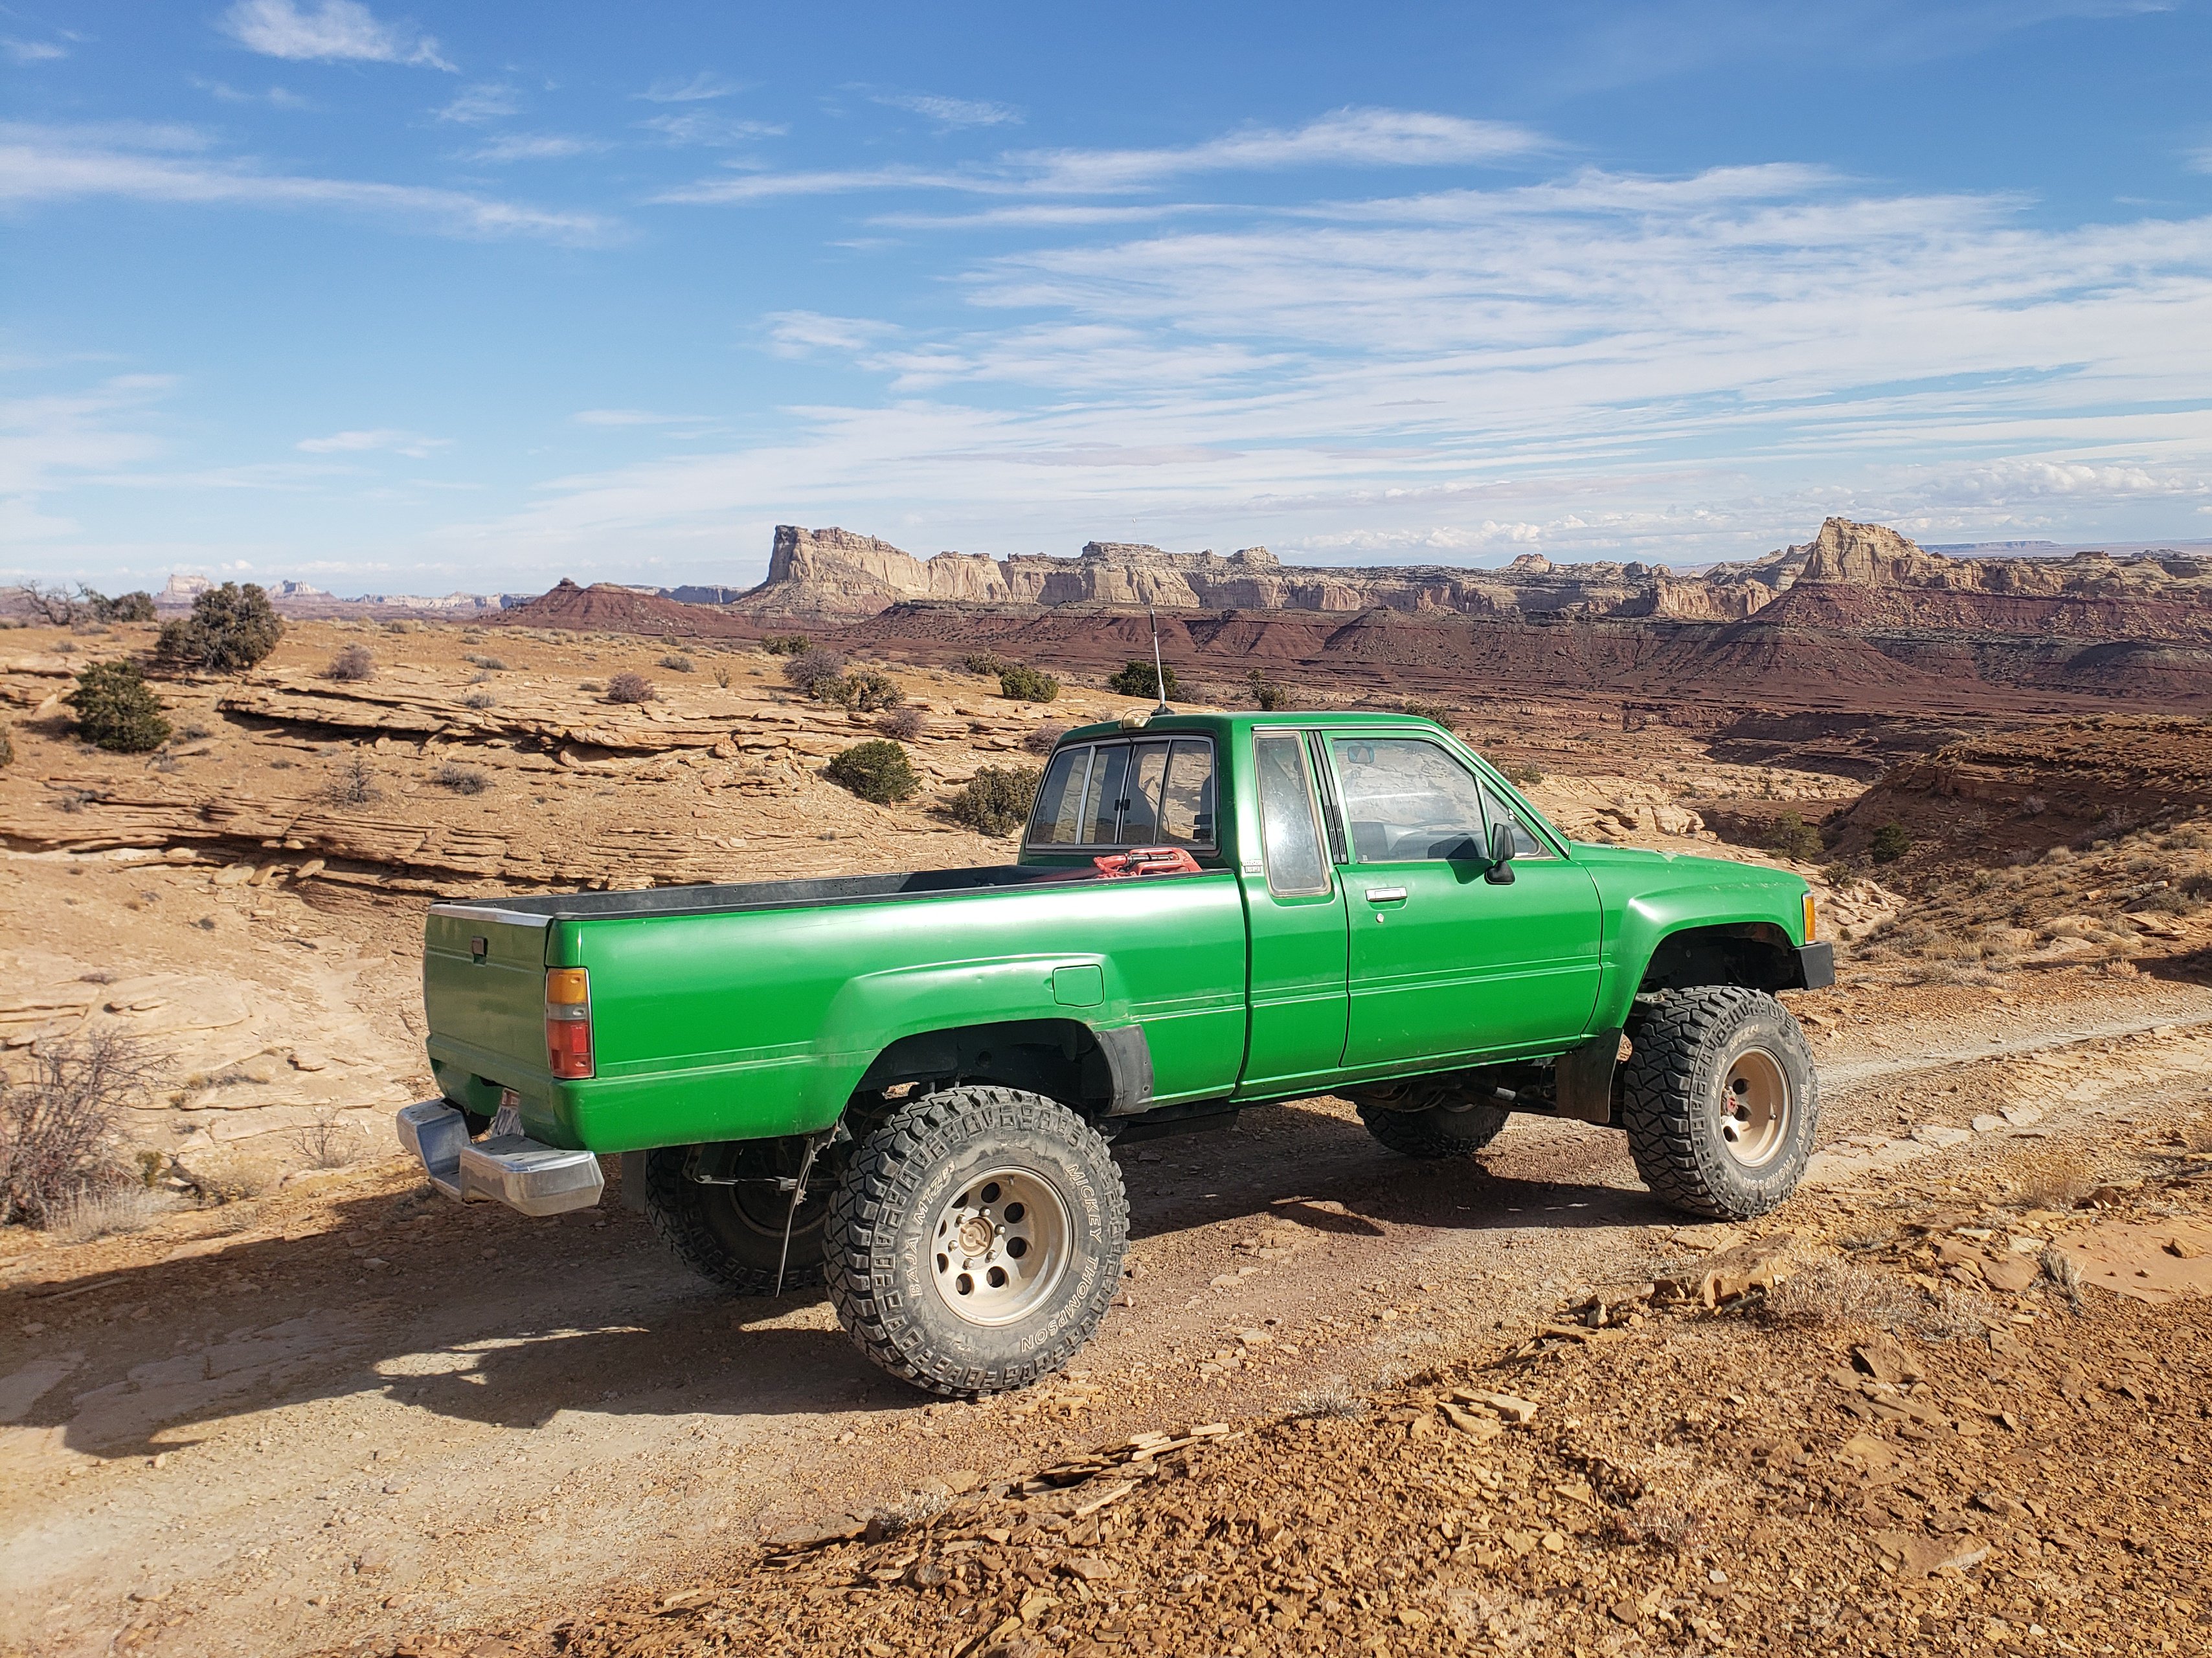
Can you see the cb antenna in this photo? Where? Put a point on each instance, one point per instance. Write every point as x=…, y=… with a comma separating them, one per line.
x=1159, y=674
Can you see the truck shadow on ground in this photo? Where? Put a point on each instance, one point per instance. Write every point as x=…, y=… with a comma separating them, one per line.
x=481, y=1315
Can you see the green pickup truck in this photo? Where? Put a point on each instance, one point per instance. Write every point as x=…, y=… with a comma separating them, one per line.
x=909, y=1087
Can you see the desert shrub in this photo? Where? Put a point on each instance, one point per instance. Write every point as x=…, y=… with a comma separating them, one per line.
x=1435, y=713
x=462, y=779
x=811, y=667
x=1793, y=837
x=1889, y=844
x=1266, y=695
x=352, y=665
x=1333, y=1398
x=1023, y=683
x=58, y=1127
x=1832, y=1291
x=1045, y=738
x=876, y=770
x=401, y=627
x=489, y=664
x=231, y=628
x=997, y=800
x=629, y=686
x=1138, y=679
x=721, y=673
x=989, y=665
x=105, y=1211
x=2056, y=1179
x=906, y=723
x=115, y=710
x=124, y=607
x=783, y=644
x=328, y=1142
x=7, y=746
x=1522, y=776
x=676, y=662
x=355, y=783
x=870, y=692
x=479, y=701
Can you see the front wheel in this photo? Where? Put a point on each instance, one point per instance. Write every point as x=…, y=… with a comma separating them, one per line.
x=976, y=1240
x=1720, y=1100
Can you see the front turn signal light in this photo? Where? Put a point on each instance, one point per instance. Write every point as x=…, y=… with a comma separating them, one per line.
x=1812, y=919
x=568, y=1023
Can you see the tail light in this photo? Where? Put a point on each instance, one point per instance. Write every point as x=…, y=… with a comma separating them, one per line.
x=568, y=1022
x=1812, y=919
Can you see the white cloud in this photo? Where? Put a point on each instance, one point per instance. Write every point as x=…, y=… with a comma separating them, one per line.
x=274, y=97
x=700, y=86
x=478, y=105
x=1348, y=138
x=796, y=333
x=534, y=147
x=334, y=31
x=33, y=52
x=627, y=417
x=413, y=444
x=950, y=111
x=707, y=129
x=57, y=164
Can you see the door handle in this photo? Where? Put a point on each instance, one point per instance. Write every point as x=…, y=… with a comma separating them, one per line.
x=1386, y=894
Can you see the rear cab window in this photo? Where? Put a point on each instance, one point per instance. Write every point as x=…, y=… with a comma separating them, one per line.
x=1149, y=792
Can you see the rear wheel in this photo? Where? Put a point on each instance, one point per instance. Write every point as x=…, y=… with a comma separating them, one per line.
x=1720, y=1100
x=977, y=1239
x=1431, y=1121
x=734, y=1235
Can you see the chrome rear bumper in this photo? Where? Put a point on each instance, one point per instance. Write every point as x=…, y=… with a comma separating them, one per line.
x=510, y=1169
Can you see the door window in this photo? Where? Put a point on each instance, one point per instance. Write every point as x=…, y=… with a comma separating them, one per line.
x=1108, y=775
x=1407, y=801
x=1526, y=844
x=1290, y=835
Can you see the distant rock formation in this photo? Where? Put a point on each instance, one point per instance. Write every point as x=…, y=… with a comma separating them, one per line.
x=609, y=608
x=838, y=577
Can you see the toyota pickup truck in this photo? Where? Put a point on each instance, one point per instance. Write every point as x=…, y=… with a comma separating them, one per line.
x=910, y=1088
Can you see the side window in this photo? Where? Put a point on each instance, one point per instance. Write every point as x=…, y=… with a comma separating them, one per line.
x=1187, y=802
x=1525, y=843
x=1406, y=799
x=1057, y=818
x=1290, y=834
x=1140, y=809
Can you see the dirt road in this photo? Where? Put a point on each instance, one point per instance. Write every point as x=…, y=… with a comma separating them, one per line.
x=349, y=1411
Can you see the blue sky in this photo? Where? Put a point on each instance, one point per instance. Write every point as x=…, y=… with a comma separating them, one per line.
x=415, y=298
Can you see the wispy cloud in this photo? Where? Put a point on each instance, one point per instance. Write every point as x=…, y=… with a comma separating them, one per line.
x=40, y=164
x=627, y=417
x=413, y=444
x=797, y=333
x=477, y=105
x=950, y=112
x=700, y=86
x=274, y=97
x=334, y=31
x=534, y=147
x=1351, y=138
x=707, y=129
x=33, y=52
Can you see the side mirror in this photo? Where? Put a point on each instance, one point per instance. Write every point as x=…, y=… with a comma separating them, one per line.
x=1500, y=873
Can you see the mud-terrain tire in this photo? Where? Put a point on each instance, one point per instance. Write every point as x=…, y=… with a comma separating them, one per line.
x=1720, y=1100
x=976, y=1240
x=733, y=1235
x=1430, y=1121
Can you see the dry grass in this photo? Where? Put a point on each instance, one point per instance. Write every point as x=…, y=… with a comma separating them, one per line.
x=462, y=779
x=1330, y=1398
x=104, y=1211
x=329, y=1143
x=2056, y=1179
x=1831, y=1291
x=1952, y=1315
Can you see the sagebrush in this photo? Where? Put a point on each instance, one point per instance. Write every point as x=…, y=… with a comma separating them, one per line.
x=877, y=770
x=997, y=800
x=629, y=686
x=1023, y=683
x=353, y=664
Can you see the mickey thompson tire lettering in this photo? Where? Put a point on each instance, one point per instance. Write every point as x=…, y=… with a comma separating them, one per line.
x=938, y=1155
x=1720, y=1100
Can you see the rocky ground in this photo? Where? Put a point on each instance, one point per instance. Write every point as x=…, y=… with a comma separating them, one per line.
x=1344, y=1402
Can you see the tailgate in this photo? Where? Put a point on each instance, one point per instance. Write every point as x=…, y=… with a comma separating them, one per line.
x=483, y=992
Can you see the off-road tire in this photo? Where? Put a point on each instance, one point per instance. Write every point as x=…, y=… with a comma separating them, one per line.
x=1450, y=1125
x=732, y=1236
x=882, y=1251
x=1672, y=1099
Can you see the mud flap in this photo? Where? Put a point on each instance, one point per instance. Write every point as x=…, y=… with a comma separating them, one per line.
x=1585, y=1078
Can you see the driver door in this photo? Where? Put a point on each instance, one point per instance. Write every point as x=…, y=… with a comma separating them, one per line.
x=1445, y=964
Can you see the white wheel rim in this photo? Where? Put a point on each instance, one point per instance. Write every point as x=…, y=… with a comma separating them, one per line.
x=1001, y=1245
x=1758, y=1109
